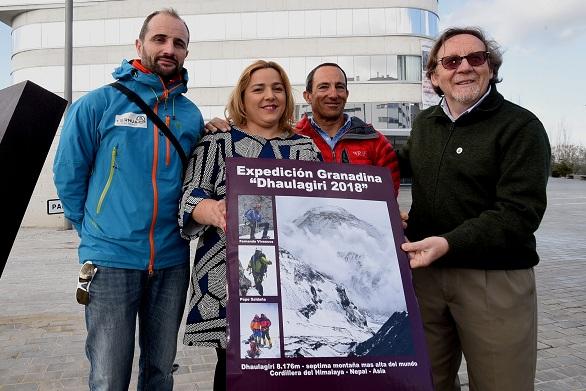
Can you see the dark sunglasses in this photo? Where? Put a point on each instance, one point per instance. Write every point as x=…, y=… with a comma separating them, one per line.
x=475, y=59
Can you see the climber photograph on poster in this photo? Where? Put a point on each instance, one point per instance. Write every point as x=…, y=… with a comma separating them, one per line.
x=257, y=270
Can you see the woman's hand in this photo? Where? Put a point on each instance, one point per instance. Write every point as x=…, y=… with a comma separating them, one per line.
x=211, y=212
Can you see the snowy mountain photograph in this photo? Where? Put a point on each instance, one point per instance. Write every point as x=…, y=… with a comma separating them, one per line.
x=341, y=288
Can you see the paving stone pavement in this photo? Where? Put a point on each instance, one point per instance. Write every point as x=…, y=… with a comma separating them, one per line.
x=42, y=329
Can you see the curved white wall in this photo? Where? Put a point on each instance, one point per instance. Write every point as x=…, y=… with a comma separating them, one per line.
x=377, y=42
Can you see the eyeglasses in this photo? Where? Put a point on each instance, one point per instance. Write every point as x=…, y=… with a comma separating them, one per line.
x=475, y=59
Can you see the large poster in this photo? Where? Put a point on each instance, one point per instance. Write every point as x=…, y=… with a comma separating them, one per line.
x=428, y=96
x=320, y=295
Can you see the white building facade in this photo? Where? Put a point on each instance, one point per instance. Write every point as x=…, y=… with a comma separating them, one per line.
x=377, y=42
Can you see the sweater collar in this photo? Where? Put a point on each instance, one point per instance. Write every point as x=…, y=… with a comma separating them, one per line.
x=444, y=105
x=488, y=103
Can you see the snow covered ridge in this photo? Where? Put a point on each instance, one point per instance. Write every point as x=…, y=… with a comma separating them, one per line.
x=339, y=301
x=325, y=220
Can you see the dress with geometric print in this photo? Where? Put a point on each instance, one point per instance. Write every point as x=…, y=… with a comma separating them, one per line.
x=205, y=178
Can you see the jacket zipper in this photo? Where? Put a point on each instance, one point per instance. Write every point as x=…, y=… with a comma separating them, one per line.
x=167, y=143
x=155, y=195
x=109, y=181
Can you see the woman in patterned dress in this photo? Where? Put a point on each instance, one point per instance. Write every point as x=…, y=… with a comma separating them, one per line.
x=260, y=110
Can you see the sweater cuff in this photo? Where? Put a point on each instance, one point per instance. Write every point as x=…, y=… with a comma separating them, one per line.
x=189, y=228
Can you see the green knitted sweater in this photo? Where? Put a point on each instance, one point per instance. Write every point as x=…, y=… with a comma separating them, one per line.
x=479, y=182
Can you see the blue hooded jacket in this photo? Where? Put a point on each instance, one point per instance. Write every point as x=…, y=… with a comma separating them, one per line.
x=119, y=178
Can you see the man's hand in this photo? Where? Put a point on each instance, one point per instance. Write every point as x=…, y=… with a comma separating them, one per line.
x=217, y=125
x=426, y=251
x=211, y=212
x=404, y=218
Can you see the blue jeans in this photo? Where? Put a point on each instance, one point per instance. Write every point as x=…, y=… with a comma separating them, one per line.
x=117, y=296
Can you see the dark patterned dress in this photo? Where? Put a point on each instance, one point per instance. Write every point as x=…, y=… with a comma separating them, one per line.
x=206, y=178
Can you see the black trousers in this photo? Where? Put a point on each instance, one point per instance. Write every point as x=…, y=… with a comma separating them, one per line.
x=220, y=373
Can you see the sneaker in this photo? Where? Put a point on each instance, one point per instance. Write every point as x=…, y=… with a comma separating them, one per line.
x=86, y=274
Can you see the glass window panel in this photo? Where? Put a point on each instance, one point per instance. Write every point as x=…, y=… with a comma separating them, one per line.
x=409, y=68
x=362, y=68
x=27, y=37
x=391, y=20
x=112, y=32
x=403, y=21
x=233, y=24
x=201, y=73
x=82, y=34
x=249, y=25
x=344, y=22
x=312, y=23
x=216, y=111
x=265, y=27
x=283, y=62
x=220, y=73
x=413, y=68
x=190, y=20
x=392, y=67
x=129, y=30
x=53, y=35
x=328, y=23
x=209, y=112
x=310, y=63
x=360, y=22
x=355, y=109
x=205, y=112
x=296, y=23
x=415, y=21
x=433, y=24
x=415, y=110
x=108, y=68
x=50, y=77
x=376, y=21
x=367, y=107
x=347, y=64
x=97, y=76
x=89, y=33
x=378, y=67
x=297, y=72
x=333, y=59
x=272, y=25
x=210, y=27
x=404, y=114
x=233, y=70
x=279, y=20
x=81, y=81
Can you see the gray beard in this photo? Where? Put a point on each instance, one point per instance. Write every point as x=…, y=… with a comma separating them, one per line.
x=470, y=96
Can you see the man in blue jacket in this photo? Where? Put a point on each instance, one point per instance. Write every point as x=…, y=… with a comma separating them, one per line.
x=119, y=179
x=253, y=218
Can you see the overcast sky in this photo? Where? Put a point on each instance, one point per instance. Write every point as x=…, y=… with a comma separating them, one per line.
x=544, y=61
x=545, y=55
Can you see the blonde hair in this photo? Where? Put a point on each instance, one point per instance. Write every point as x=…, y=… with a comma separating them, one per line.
x=235, y=112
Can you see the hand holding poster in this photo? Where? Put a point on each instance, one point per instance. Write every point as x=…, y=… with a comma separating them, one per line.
x=320, y=295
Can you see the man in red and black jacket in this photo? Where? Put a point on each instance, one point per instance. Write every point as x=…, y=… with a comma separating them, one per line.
x=340, y=137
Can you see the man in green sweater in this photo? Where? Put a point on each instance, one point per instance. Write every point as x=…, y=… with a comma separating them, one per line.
x=480, y=166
